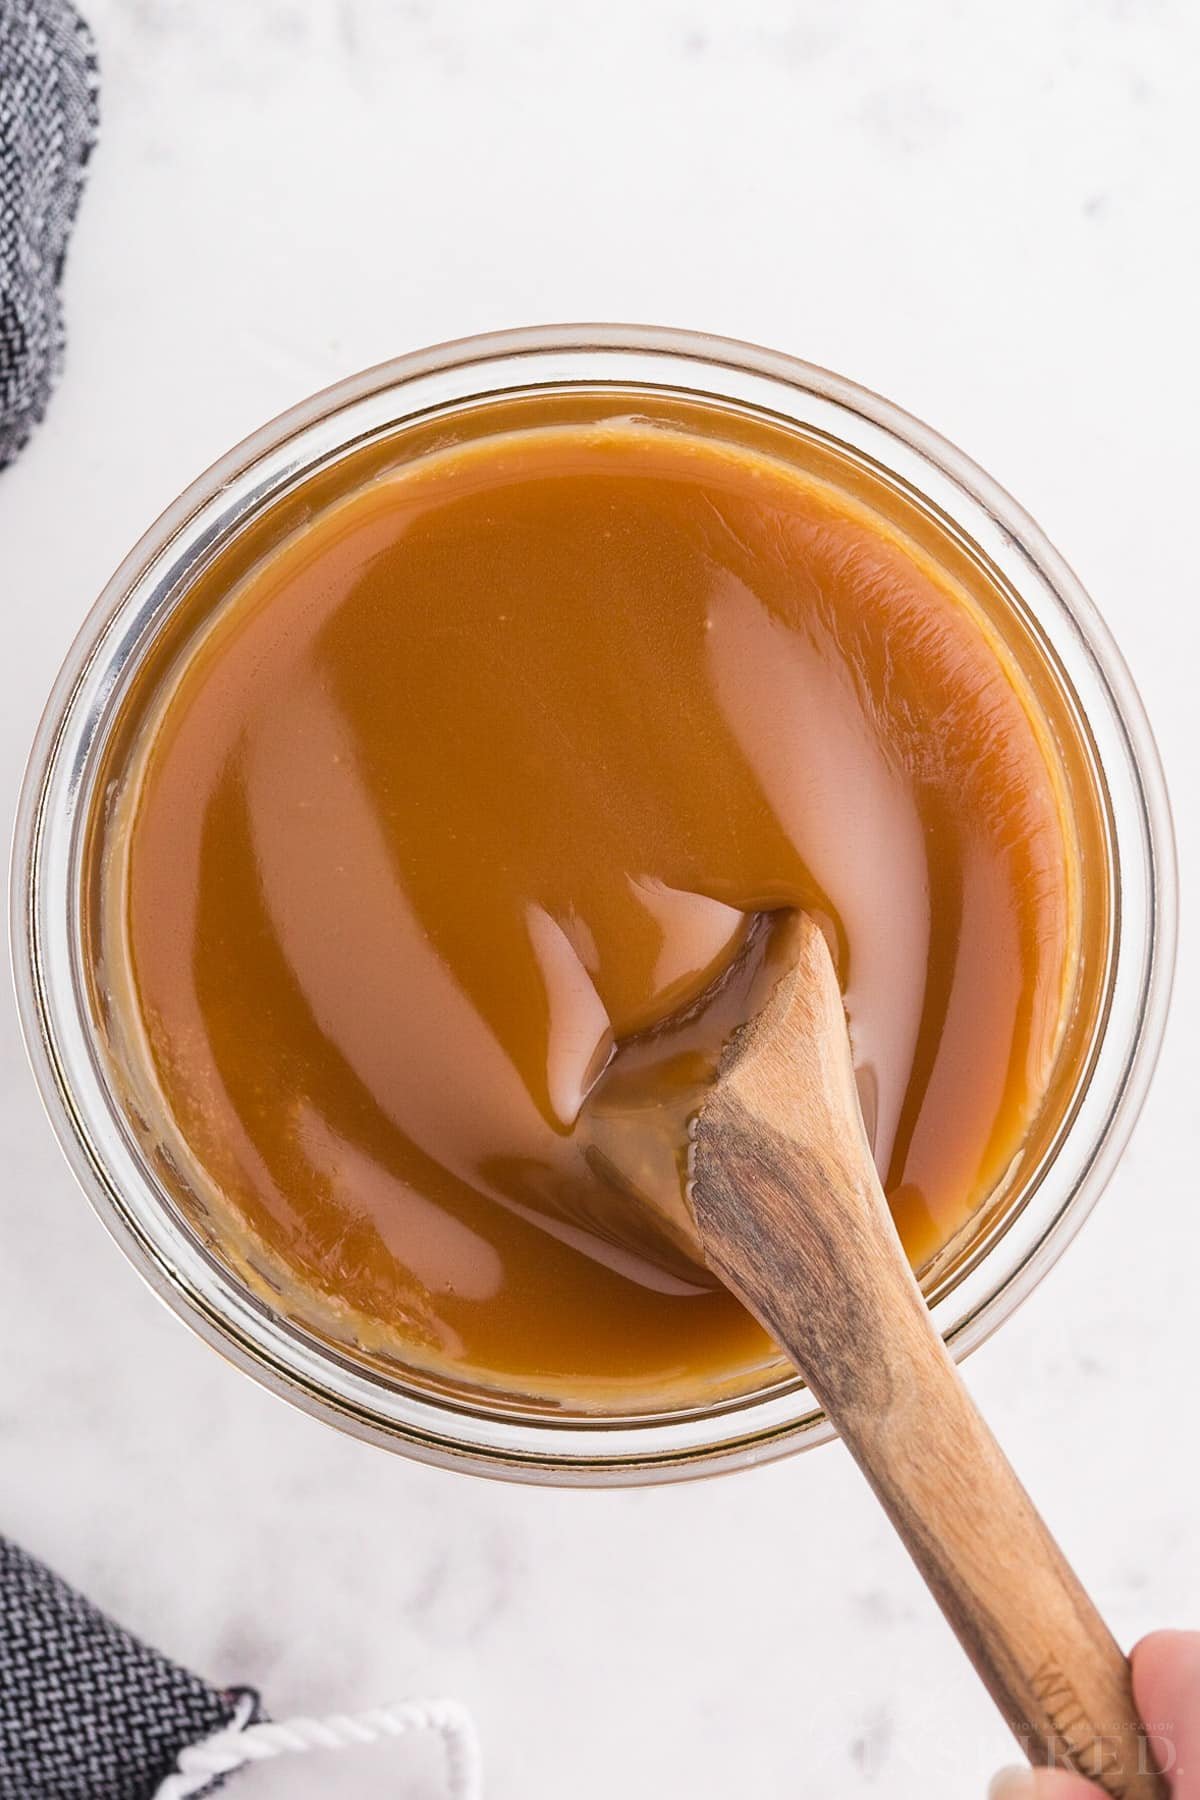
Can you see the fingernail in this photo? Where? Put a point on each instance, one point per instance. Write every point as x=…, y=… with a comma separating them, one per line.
x=1011, y=1784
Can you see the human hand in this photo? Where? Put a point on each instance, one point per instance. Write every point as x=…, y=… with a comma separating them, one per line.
x=1166, y=1687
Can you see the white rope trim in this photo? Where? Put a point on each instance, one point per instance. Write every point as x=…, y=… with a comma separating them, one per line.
x=240, y=1743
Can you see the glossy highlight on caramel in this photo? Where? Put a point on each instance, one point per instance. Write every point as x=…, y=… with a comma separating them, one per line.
x=486, y=765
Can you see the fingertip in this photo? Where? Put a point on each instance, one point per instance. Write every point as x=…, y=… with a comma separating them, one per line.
x=1165, y=1650
x=1166, y=1690
x=1024, y=1783
x=1166, y=1673
x=1011, y=1784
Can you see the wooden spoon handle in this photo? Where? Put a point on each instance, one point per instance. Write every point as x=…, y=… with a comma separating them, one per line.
x=789, y=1210
x=845, y=1307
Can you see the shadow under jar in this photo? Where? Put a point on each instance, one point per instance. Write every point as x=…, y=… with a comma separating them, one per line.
x=453, y=730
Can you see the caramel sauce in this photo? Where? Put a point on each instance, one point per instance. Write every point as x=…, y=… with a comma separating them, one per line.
x=485, y=765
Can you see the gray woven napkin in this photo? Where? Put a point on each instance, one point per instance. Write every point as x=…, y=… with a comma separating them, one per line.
x=47, y=128
x=86, y=1711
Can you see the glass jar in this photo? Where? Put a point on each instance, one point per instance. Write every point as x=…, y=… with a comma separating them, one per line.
x=1010, y=1246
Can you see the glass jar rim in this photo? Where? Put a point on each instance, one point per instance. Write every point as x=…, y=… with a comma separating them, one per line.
x=55, y=801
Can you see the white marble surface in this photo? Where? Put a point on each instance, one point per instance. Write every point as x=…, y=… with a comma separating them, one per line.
x=987, y=213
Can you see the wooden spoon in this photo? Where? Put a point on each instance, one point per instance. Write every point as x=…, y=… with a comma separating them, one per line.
x=791, y=1215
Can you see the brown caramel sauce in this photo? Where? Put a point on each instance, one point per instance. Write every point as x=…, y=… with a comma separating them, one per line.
x=479, y=754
